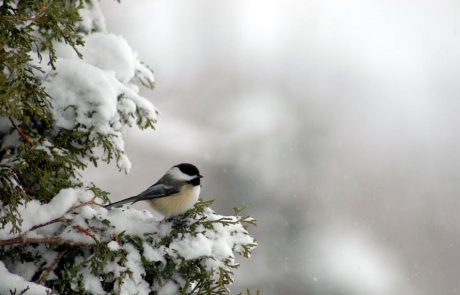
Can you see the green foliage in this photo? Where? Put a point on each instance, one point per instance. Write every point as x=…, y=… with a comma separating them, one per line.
x=204, y=274
x=199, y=280
x=45, y=159
x=25, y=172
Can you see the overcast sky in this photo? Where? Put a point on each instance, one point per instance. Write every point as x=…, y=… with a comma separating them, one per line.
x=336, y=122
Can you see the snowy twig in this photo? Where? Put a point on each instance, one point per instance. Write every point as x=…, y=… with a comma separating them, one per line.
x=90, y=202
x=52, y=240
x=48, y=269
x=84, y=231
x=62, y=219
x=59, y=219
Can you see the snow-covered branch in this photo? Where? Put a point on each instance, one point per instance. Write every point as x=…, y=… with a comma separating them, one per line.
x=127, y=251
x=69, y=90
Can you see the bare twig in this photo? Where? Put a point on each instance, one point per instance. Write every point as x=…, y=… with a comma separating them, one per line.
x=48, y=269
x=90, y=202
x=62, y=219
x=59, y=219
x=41, y=13
x=84, y=231
x=21, y=133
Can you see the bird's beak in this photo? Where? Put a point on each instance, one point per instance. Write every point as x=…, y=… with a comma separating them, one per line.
x=200, y=176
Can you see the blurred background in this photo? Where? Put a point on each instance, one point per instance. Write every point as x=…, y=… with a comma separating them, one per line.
x=335, y=122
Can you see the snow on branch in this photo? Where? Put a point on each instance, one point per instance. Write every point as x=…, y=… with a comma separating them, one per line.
x=34, y=214
x=93, y=91
x=128, y=251
x=15, y=284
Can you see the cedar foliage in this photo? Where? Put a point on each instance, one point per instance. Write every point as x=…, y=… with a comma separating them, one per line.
x=38, y=159
x=26, y=169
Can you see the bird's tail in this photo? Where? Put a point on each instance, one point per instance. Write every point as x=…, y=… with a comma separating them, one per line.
x=128, y=200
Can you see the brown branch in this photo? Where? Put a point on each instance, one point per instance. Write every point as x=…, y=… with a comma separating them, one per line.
x=62, y=219
x=50, y=240
x=34, y=18
x=90, y=202
x=84, y=231
x=53, y=240
x=21, y=133
x=38, y=17
x=48, y=269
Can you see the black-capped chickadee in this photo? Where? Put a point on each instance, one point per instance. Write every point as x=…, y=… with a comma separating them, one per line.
x=175, y=193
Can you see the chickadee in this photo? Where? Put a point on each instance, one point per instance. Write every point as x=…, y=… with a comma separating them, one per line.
x=176, y=192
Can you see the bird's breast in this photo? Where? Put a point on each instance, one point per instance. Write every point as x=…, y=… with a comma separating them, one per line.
x=177, y=203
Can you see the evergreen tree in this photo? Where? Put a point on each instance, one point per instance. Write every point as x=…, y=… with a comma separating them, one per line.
x=68, y=88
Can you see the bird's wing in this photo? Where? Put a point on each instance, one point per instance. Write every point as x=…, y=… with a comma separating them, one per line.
x=159, y=190
x=153, y=192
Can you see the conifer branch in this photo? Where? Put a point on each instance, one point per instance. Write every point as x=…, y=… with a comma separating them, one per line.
x=55, y=132
x=34, y=18
x=49, y=240
x=52, y=240
x=41, y=13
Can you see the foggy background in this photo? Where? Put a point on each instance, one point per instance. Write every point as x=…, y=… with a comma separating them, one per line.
x=335, y=122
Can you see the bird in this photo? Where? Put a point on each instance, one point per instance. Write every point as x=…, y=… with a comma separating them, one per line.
x=173, y=194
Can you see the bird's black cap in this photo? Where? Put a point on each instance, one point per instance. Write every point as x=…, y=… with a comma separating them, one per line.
x=188, y=169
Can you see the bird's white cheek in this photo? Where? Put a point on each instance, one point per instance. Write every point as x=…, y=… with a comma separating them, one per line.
x=175, y=173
